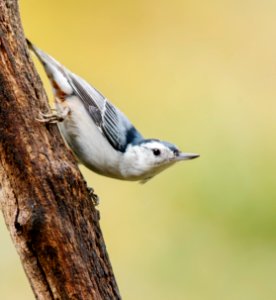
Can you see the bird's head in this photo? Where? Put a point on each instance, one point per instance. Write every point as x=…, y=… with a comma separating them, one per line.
x=150, y=157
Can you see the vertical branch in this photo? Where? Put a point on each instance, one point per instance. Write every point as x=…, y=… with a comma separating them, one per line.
x=43, y=196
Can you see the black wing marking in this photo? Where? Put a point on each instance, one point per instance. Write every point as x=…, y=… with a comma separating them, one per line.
x=111, y=122
x=90, y=98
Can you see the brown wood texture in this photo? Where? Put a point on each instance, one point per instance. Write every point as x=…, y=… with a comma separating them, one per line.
x=43, y=196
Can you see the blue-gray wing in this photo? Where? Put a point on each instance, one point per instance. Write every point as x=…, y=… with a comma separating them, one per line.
x=110, y=120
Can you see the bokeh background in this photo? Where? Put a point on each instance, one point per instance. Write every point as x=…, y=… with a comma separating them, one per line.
x=201, y=74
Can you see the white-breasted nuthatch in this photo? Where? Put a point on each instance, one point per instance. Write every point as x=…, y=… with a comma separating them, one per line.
x=99, y=134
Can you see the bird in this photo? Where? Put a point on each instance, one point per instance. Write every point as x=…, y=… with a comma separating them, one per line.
x=98, y=133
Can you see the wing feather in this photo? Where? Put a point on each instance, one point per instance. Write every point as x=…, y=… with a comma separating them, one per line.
x=111, y=121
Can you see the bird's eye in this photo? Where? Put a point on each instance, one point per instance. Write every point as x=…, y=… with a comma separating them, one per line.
x=156, y=152
x=176, y=152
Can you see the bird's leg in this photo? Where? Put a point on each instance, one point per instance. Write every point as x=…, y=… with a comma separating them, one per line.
x=55, y=116
x=95, y=199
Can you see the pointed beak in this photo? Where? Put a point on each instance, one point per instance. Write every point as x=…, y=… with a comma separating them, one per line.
x=186, y=156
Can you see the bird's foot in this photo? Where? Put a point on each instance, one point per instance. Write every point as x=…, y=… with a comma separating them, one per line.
x=95, y=198
x=54, y=117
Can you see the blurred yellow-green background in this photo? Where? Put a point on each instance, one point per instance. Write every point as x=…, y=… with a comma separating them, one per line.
x=201, y=74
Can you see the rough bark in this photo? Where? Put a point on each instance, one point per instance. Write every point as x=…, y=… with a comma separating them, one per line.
x=43, y=196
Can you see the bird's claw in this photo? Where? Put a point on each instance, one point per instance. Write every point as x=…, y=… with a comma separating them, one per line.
x=53, y=117
x=95, y=198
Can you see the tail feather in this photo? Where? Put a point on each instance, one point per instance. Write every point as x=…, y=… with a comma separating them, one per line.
x=54, y=70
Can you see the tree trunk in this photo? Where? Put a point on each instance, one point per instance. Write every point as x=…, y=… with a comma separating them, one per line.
x=43, y=196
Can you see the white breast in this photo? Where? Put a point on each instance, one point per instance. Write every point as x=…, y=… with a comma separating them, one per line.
x=87, y=141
